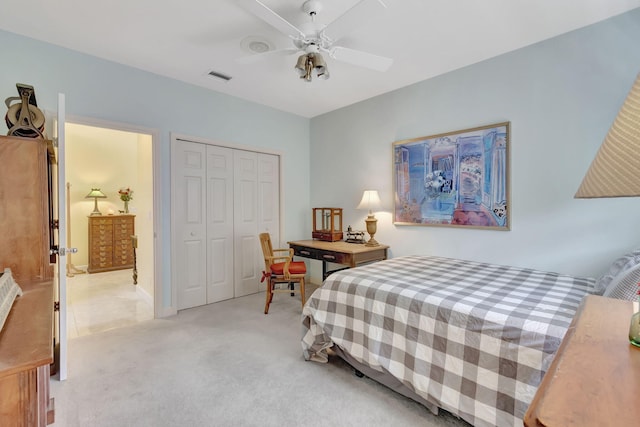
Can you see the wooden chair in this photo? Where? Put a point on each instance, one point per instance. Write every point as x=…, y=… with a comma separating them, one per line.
x=280, y=268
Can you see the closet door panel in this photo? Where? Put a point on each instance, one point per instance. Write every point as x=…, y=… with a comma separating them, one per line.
x=269, y=197
x=189, y=227
x=247, y=269
x=219, y=223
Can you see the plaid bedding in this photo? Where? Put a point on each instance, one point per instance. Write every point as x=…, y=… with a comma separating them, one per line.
x=472, y=338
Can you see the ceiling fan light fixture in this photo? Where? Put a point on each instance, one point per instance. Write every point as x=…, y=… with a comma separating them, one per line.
x=308, y=68
x=301, y=65
x=308, y=63
x=312, y=37
x=318, y=62
x=324, y=75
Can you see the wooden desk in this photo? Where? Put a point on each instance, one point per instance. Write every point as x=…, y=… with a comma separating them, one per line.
x=26, y=351
x=350, y=254
x=594, y=379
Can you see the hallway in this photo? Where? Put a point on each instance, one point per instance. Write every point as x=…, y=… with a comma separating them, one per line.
x=102, y=301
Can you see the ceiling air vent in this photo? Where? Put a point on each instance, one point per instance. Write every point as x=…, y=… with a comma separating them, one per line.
x=220, y=76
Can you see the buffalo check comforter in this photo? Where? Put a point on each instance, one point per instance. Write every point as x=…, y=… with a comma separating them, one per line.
x=472, y=338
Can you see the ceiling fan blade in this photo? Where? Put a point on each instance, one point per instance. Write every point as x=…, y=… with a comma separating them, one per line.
x=360, y=58
x=363, y=11
x=263, y=12
x=250, y=59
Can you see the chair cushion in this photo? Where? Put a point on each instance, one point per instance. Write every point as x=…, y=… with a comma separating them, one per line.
x=295, y=267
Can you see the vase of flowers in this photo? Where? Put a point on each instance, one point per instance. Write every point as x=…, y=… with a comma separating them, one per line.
x=126, y=194
x=433, y=184
x=634, y=327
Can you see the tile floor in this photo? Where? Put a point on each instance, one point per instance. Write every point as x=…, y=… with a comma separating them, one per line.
x=101, y=301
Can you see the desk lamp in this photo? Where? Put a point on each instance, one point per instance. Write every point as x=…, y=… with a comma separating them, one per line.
x=370, y=200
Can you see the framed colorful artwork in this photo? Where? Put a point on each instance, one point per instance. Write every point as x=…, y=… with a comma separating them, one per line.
x=454, y=179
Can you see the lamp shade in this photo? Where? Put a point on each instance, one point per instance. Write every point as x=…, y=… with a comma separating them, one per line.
x=615, y=171
x=95, y=192
x=370, y=200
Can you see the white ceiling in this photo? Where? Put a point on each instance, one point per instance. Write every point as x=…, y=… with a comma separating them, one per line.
x=187, y=39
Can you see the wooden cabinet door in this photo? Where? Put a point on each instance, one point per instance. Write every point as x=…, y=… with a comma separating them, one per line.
x=123, y=229
x=100, y=244
x=24, y=208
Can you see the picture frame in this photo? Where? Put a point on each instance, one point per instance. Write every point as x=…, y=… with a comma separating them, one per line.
x=454, y=179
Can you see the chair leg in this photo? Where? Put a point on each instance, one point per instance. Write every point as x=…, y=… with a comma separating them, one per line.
x=302, y=291
x=269, y=296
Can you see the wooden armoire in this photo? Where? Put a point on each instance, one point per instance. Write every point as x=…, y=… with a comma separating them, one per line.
x=26, y=339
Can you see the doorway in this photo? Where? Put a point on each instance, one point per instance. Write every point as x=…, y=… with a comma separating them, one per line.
x=113, y=160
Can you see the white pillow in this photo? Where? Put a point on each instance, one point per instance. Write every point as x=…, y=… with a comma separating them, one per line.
x=618, y=268
x=624, y=285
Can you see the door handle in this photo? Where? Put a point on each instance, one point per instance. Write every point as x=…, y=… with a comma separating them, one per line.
x=62, y=251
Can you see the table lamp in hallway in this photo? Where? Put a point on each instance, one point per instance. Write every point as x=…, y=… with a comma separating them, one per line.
x=96, y=194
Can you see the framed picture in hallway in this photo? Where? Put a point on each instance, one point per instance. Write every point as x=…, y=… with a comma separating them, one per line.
x=454, y=179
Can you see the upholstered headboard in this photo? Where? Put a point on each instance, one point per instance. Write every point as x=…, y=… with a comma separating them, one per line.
x=625, y=284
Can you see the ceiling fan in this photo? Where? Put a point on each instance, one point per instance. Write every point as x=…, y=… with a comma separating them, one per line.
x=313, y=38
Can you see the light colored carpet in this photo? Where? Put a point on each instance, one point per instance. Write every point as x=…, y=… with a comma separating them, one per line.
x=225, y=364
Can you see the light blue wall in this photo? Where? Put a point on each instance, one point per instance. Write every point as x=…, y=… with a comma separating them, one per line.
x=560, y=95
x=98, y=89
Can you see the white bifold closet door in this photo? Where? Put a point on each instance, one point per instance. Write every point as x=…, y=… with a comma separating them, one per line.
x=222, y=199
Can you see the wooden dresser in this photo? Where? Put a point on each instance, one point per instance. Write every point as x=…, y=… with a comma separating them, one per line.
x=594, y=379
x=110, y=246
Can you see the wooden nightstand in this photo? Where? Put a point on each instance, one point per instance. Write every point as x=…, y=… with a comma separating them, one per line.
x=594, y=379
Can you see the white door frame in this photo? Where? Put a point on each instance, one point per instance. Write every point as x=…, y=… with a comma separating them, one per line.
x=158, y=309
x=62, y=238
x=178, y=136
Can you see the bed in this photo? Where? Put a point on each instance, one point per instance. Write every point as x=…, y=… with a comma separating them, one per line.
x=472, y=338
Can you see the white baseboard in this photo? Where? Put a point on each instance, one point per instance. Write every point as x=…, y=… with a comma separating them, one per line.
x=166, y=312
x=146, y=297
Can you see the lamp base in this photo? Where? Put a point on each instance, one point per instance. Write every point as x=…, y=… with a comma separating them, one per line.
x=95, y=208
x=372, y=242
x=372, y=227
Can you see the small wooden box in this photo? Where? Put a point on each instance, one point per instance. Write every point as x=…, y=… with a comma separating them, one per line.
x=327, y=224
